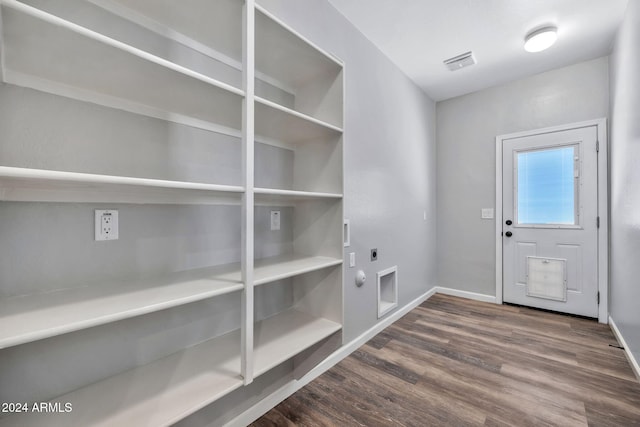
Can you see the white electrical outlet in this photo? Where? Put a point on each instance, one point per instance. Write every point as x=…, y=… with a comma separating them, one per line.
x=106, y=224
x=275, y=220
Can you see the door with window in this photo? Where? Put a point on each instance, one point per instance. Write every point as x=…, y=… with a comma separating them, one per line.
x=550, y=214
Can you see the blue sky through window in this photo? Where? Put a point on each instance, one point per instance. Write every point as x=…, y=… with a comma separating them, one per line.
x=546, y=186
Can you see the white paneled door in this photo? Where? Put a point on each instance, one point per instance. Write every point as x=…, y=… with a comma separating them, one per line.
x=550, y=221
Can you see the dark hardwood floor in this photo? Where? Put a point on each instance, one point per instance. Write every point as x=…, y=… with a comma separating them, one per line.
x=457, y=362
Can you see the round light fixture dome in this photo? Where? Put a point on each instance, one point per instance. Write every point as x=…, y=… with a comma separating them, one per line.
x=540, y=39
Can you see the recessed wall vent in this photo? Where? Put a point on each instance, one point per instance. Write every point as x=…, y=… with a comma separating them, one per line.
x=460, y=61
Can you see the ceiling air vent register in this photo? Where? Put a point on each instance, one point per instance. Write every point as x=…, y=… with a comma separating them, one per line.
x=463, y=60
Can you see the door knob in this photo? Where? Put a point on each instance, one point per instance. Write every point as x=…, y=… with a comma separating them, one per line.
x=509, y=222
x=508, y=234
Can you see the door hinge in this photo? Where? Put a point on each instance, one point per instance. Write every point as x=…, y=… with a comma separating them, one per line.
x=597, y=146
x=598, y=297
x=598, y=222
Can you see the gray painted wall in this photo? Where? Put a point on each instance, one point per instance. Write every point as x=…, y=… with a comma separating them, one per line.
x=625, y=180
x=466, y=131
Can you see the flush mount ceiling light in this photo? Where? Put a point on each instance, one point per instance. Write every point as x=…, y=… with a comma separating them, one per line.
x=540, y=39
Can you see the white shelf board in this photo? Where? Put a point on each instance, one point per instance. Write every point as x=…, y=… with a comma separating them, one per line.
x=270, y=196
x=280, y=267
x=211, y=28
x=169, y=389
x=158, y=394
x=286, y=334
x=276, y=122
x=175, y=22
x=47, y=53
x=24, y=184
x=287, y=56
x=32, y=317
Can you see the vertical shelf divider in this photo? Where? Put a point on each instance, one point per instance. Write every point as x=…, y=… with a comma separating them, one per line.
x=248, y=74
x=1, y=48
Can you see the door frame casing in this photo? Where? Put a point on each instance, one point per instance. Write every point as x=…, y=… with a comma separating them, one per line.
x=603, y=206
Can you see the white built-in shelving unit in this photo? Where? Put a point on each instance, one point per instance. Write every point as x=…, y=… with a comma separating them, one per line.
x=232, y=69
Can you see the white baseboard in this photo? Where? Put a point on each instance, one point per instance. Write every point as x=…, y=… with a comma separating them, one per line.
x=623, y=343
x=465, y=294
x=262, y=407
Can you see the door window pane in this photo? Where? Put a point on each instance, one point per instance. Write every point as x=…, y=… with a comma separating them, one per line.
x=546, y=186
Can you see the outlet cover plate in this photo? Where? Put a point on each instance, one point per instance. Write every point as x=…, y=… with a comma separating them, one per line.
x=106, y=224
x=275, y=220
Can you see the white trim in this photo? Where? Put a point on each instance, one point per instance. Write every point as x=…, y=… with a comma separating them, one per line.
x=603, y=206
x=465, y=294
x=552, y=129
x=603, y=213
x=632, y=360
x=499, y=220
x=266, y=404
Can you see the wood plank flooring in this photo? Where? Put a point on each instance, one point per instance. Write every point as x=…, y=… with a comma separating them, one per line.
x=457, y=362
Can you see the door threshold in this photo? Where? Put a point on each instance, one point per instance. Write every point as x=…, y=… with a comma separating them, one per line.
x=577, y=316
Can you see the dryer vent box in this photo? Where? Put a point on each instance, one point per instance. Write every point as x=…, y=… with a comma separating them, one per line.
x=387, y=290
x=457, y=62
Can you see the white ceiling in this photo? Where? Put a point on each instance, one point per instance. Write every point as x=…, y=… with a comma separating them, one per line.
x=418, y=35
